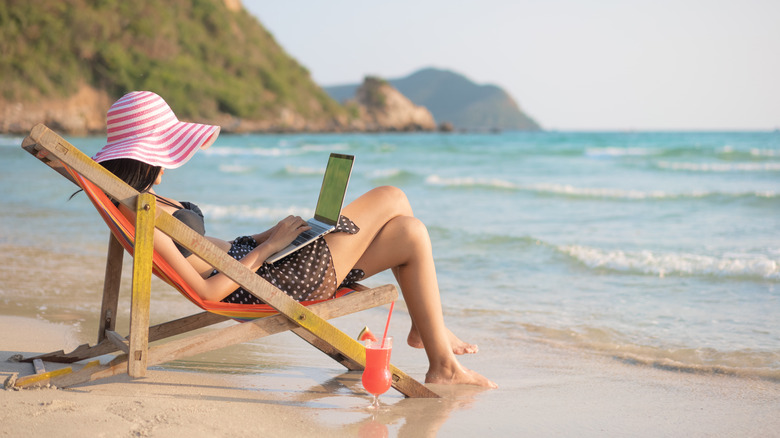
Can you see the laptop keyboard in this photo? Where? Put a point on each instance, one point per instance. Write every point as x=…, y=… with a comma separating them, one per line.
x=315, y=231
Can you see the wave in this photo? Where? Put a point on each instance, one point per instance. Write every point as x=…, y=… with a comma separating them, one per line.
x=227, y=151
x=606, y=193
x=726, y=153
x=571, y=191
x=634, y=195
x=738, y=363
x=287, y=171
x=730, y=153
x=303, y=171
x=325, y=147
x=622, y=152
x=764, y=152
x=235, y=168
x=489, y=183
x=644, y=350
x=217, y=212
x=719, y=167
x=751, y=266
x=390, y=176
x=387, y=173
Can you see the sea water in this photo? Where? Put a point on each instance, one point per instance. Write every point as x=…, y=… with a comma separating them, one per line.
x=655, y=248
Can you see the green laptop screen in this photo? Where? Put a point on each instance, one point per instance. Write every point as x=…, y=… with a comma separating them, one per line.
x=334, y=188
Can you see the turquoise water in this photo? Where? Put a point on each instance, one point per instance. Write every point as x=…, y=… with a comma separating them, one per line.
x=656, y=248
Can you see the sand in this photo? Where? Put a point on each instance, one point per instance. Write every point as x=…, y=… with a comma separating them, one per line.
x=548, y=392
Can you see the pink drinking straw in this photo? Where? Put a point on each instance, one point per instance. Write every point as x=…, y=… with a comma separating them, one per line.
x=387, y=324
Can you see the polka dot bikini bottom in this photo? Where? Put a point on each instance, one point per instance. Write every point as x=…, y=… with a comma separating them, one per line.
x=306, y=274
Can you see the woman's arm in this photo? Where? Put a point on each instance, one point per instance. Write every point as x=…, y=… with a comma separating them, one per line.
x=262, y=237
x=219, y=286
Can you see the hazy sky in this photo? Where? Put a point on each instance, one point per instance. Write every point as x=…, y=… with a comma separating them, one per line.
x=600, y=64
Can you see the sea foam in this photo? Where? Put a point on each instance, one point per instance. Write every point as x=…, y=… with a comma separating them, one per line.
x=471, y=182
x=217, y=212
x=305, y=171
x=227, y=151
x=325, y=147
x=568, y=190
x=719, y=167
x=756, y=266
x=621, y=152
x=235, y=168
x=743, y=363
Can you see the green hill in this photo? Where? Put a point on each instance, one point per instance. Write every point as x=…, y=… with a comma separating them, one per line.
x=206, y=59
x=453, y=98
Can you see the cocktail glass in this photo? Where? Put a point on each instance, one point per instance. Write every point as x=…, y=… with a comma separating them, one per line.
x=377, y=377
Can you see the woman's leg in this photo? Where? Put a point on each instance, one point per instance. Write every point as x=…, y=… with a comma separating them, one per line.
x=401, y=243
x=371, y=212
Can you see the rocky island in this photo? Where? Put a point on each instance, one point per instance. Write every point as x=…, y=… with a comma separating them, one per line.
x=378, y=106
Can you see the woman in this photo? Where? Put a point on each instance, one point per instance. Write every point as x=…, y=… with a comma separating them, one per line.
x=377, y=232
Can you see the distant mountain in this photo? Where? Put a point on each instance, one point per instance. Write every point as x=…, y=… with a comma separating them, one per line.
x=453, y=98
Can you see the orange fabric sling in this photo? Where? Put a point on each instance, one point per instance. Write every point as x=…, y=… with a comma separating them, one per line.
x=124, y=231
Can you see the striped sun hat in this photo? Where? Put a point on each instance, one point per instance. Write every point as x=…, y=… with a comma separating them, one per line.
x=143, y=127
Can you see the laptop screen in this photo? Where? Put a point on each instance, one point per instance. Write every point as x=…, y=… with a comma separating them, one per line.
x=334, y=188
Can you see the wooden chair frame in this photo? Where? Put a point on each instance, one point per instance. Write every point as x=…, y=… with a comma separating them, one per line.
x=308, y=322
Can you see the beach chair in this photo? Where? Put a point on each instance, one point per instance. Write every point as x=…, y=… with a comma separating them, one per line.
x=279, y=314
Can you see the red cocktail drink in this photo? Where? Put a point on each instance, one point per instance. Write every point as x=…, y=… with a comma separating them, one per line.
x=377, y=377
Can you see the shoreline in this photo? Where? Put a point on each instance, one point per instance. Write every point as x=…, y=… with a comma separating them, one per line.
x=556, y=392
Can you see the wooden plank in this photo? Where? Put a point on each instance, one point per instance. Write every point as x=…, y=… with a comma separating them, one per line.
x=113, y=279
x=118, y=340
x=184, y=325
x=142, y=284
x=156, y=333
x=42, y=379
x=267, y=326
x=232, y=335
x=327, y=348
x=38, y=365
x=59, y=149
x=32, y=146
x=83, y=351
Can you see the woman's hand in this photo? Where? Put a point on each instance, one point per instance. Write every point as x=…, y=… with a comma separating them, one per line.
x=283, y=233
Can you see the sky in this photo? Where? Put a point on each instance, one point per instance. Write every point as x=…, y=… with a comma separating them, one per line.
x=569, y=64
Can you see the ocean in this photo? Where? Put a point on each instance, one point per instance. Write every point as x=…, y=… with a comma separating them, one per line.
x=657, y=249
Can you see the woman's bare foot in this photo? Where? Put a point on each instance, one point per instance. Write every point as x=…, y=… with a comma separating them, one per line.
x=456, y=374
x=458, y=346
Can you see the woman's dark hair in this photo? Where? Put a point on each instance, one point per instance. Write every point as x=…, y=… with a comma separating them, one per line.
x=137, y=174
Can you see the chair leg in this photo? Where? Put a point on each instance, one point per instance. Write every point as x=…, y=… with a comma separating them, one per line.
x=142, y=283
x=160, y=331
x=111, y=287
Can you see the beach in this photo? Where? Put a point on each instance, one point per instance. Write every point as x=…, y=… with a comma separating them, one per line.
x=637, y=297
x=548, y=392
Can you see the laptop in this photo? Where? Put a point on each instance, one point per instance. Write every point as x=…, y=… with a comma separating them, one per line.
x=326, y=215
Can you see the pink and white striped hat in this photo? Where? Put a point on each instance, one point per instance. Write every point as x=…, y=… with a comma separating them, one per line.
x=143, y=127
